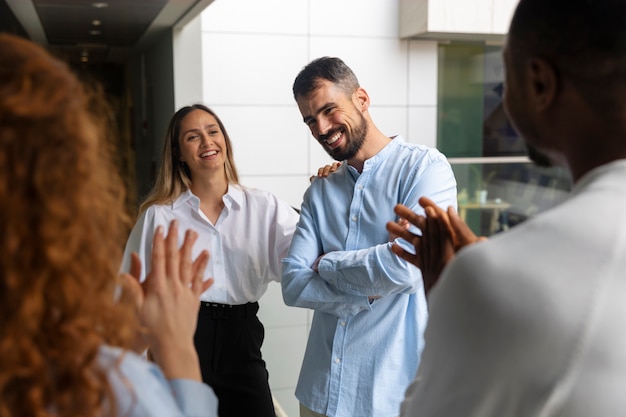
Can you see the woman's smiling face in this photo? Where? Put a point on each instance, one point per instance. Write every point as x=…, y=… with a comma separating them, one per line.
x=202, y=143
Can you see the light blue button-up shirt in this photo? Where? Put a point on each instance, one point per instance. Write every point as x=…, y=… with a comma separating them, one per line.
x=141, y=389
x=361, y=356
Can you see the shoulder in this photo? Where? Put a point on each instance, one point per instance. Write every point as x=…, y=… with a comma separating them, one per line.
x=154, y=210
x=129, y=373
x=129, y=362
x=415, y=155
x=160, y=208
x=152, y=215
x=141, y=389
x=520, y=270
x=251, y=195
x=424, y=153
x=259, y=198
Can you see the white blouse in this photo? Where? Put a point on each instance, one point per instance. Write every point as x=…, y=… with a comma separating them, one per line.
x=246, y=244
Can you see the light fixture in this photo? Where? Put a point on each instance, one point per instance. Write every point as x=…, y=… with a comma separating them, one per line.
x=95, y=32
x=96, y=22
x=100, y=4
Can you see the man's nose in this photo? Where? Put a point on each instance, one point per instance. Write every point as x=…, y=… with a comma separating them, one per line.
x=323, y=125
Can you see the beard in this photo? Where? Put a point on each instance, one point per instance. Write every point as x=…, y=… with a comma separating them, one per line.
x=356, y=138
x=539, y=158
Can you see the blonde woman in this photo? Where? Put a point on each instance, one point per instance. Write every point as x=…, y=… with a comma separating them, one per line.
x=247, y=231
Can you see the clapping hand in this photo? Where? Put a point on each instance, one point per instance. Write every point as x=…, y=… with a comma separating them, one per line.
x=443, y=234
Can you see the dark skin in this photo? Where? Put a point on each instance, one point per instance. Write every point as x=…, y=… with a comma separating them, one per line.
x=443, y=234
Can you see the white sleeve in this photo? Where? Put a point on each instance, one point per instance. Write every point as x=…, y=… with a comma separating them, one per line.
x=140, y=241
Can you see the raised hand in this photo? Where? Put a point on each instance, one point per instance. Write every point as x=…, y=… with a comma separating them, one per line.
x=168, y=302
x=443, y=234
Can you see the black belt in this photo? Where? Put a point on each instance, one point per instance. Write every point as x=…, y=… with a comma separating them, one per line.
x=226, y=311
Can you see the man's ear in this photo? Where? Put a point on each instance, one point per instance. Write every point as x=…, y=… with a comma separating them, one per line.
x=543, y=83
x=361, y=99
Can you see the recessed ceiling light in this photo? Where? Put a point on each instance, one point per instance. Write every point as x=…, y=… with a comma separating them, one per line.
x=95, y=32
x=84, y=59
x=96, y=22
x=100, y=4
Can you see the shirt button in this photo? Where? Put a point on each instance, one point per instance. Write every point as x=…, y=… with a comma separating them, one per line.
x=337, y=360
x=360, y=187
x=343, y=323
x=353, y=218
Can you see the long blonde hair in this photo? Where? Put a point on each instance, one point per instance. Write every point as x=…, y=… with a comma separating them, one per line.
x=62, y=231
x=174, y=176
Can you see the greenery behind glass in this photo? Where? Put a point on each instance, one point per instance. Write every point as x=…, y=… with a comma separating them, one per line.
x=472, y=123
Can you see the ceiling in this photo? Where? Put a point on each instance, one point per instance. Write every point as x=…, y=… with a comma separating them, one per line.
x=96, y=31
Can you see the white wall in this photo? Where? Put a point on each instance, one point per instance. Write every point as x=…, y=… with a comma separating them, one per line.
x=251, y=52
x=188, y=64
x=446, y=19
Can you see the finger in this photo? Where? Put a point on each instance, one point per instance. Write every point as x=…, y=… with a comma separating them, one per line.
x=397, y=230
x=429, y=238
x=198, y=269
x=135, y=266
x=407, y=256
x=426, y=202
x=446, y=232
x=131, y=290
x=408, y=214
x=206, y=285
x=464, y=234
x=186, y=270
x=157, y=272
x=172, y=253
x=432, y=248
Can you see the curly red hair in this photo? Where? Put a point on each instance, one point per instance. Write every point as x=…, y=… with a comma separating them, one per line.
x=62, y=230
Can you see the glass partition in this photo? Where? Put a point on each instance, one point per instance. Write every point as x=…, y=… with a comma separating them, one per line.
x=498, y=186
x=493, y=196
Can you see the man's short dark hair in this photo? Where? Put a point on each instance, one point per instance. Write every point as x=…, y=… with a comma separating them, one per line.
x=325, y=68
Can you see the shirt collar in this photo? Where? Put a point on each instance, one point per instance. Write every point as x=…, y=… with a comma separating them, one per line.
x=380, y=156
x=233, y=198
x=187, y=195
x=616, y=166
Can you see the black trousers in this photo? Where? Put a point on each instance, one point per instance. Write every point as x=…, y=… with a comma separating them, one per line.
x=228, y=341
